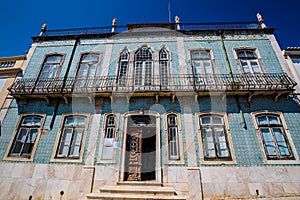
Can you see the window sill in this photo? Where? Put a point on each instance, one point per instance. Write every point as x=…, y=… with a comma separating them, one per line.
x=66, y=160
x=285, y=162
x=217, y=162
x=16, y=158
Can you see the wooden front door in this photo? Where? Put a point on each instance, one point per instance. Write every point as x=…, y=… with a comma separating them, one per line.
x=140, y=157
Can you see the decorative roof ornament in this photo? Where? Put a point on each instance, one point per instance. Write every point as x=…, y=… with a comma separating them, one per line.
x=114, y=24
x=43, y=29
x=177, y=21
x=261, y=20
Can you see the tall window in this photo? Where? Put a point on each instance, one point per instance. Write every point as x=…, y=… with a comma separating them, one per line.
x=248, y=61
x=173, y=138
x=143, y=70
x=123, y=68
x=273, y=137
x=88, y=65
x=70, y=141
x=26, y=136
x=163, y=66
x=51, y=66
x=110, y=129
x=202, y=66
x=214, y=137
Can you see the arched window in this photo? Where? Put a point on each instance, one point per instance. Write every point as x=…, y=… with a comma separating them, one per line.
x=109, y=132
x=163, y=66
x=143, y=68
x=173, y=138
x=123, y=67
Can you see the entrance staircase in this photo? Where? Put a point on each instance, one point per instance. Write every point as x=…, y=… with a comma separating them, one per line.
x=136, y=191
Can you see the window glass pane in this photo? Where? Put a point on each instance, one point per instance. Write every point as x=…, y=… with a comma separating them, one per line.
x=90, y=57
x=221, y=140
x=205, y=120
x=217, y=120
x=241, y=54
x=70, y=121
x=32, y=135
x=281, y=142
x=53, y=59
x=80, y=120
x=268, y=142
x=255, y=67
x=207, y=67
x=111, y=120
x=65, y=142
x=172, y=120
x=273, y=120
x=262, y=120
x=209, y=148
x=250, y=54
x=163, y=55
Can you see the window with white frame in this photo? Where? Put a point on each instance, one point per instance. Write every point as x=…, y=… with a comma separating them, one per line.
x=248, y=61
x=173, y=137
x=123, y=67
x=164, y=67
x=71, y=137
x=202, y=66
x=88, y=65
x=143, y=68
x=51, y=67
x=110, y=130
x=273, y=136
x=26, y=136
x=214, y=137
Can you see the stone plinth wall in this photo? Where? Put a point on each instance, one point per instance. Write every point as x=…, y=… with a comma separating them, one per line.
x=43, y=181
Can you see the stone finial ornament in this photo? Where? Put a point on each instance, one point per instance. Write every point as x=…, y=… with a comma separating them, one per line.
x=114, y=22
x=113, y=25
x=177, y=19
x=261, y=20
x=43, y=29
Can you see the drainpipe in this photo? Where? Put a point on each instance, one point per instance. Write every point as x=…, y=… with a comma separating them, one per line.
x=232, y=80
x=64, y=81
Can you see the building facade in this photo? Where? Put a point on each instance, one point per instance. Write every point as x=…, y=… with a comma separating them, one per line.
x=292, y=56
x=153, y=111
x=10, y=68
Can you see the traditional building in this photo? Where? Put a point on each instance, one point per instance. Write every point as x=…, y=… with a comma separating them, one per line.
x=10, y=68
x=153, y=111
x=292, y=56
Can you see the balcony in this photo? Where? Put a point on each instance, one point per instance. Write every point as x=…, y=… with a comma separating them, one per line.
x=252, y=84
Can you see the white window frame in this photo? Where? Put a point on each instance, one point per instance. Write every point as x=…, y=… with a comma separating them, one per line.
x=226, y=128
x=144, y=75
x=58, y=64
x=30, y=157
x=256, y=58
x=111, y=142
x=123, y=68
x=164, y=67
x=178, y=159
x=69, y=158
x=288, y=138
x=89, y=63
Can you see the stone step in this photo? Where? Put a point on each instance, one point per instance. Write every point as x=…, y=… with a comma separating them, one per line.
x=139, y=189
x=126, y=196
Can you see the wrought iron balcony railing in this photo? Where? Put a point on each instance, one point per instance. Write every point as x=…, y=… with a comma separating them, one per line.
x=172, y=83
x=183, y=27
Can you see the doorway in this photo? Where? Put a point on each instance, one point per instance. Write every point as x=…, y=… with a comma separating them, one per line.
x=140, y=151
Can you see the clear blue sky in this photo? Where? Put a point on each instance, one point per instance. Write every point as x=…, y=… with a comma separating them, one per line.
x=20, y=19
